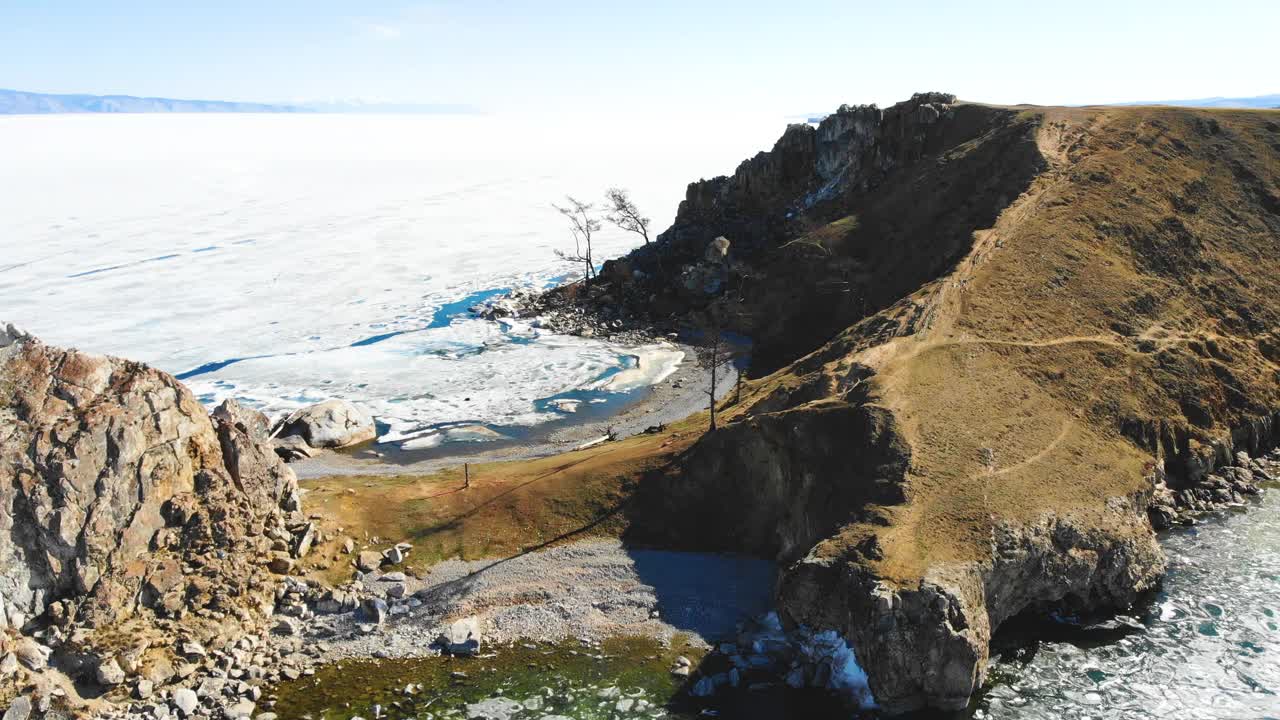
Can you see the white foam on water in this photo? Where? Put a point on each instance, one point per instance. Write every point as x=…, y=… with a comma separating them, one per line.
x=286, y=240
x=653, y=364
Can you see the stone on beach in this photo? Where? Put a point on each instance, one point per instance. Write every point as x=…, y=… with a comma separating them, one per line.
x=498, y=708
x=332, y=423
x=461, y=638
x=368, y=560
x=292, y=448
x=375, y=609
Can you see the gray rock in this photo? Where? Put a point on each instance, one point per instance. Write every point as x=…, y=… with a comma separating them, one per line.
x=705, y=687
x=192, y=650
x=8, y=665
x=717, y=250
x=292, y=448
x=461, y=638
x=332, y=423
x=19, y=709
x=375, y=610
x=185, y=701
x=102, y=459
x=498, y=708
x=251, y=421
x=303, y=540
x=143, y=689
x=369, y=560
x=110, y=673
x=31, y=653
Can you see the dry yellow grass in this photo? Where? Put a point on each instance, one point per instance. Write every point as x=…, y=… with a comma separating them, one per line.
x=510, y=507
x=1130, y=284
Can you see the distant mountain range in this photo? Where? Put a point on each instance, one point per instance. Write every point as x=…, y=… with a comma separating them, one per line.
x=1260, y=101
x=17, y=102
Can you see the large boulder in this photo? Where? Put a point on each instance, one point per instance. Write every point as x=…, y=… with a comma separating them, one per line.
x=332, y=423
x=111, y=473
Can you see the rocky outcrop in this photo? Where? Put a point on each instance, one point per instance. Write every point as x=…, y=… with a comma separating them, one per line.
x=123, y=502
x=928, y=642
x=775, y=484
x=851, y=149
x=330, y=424
x=834, y=223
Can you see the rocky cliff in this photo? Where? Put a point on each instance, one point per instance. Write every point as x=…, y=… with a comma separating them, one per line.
x=1063, y=322
x=128, y=515
x=835, y=222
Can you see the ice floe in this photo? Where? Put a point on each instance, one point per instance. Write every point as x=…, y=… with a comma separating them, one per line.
x=287, y=260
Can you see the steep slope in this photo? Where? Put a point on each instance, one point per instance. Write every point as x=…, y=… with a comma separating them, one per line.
x=128, y=516
x=990, y=442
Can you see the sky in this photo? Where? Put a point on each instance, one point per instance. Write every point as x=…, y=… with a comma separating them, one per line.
x=653, y=55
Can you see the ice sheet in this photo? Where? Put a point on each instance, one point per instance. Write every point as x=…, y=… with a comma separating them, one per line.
x=286, y=259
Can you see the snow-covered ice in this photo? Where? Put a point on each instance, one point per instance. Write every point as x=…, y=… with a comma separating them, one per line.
x=288, y=259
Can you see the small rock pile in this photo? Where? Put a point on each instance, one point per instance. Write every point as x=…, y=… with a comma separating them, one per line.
x=578, y=309
x=1217, y=488
x=229, y=682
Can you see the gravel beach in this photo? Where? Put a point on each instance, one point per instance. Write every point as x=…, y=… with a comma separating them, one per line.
x=591, y=590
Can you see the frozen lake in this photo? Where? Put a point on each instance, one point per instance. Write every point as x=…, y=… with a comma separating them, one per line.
x=287, y=259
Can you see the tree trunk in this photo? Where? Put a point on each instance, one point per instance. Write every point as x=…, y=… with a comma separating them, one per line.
x=715, y=360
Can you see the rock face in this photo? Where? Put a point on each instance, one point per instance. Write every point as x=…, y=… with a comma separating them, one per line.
x=929, y=643
x=112, y=477
x=890, y=198
x=333, y=423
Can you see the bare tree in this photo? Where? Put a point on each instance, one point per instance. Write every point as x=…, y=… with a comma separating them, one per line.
x=582, y=223
x=625, y=214
x=711, y=354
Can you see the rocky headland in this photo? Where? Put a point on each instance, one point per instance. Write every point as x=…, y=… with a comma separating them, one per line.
x=996, y=349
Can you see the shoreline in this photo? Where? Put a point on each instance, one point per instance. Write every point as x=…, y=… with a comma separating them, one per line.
x=674, y=398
